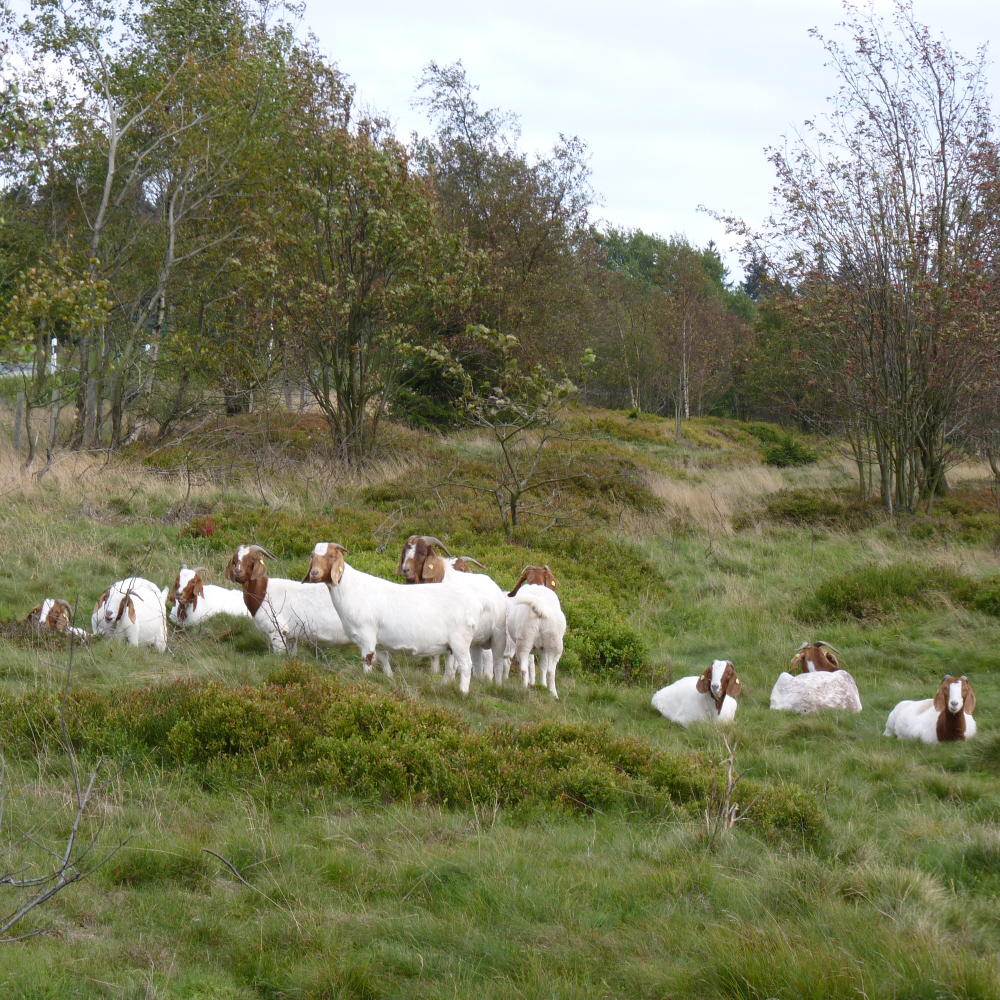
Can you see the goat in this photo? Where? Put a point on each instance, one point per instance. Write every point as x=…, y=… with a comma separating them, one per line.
x=380, y=616
x=194, y=600
x=811, y=692
x=708, y=698
x=134, y=610
x=536, y=576
x=285, y=611
x=812, y=657
x=54, y=615
x=421, y=563
x=535, y=622
x=945, y=717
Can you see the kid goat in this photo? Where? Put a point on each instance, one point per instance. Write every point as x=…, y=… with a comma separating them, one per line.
x=945, y=717
x=194, y=600
x=134, y=610
x=708, y=698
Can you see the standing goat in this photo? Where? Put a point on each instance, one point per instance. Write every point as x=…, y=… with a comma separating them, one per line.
x=421, y=563
x=134, y=610
x=536, y=624
x=382, y=617
x=945, y=717
x=812, y=657
x=194, y=600
x=54, y=615
x=708, y=698
x=285, y=611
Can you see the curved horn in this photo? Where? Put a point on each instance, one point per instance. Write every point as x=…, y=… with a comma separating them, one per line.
x=820, y=642
x=475, y=562
x=199, y=569
x=337, y=545
x=803, y=646
x=431, y=540
x=263, y=552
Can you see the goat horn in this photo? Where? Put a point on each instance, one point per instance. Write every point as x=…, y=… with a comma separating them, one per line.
x=820, y=642
x=803, y=646
x=431, y=540
x=337, y=545
x=263, y=552
x=475, y=562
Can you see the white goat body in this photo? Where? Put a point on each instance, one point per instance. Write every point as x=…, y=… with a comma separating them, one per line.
x=293, y=612
x=945, y=717
x=489, y=642
x=191, y=608
x=134, y=610
x=812, y=692
x=536, y=623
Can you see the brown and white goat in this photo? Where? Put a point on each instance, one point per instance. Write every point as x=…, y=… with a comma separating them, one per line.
x=944, y=718
x=54, y=615
x=708, y=698
x=285, y=611
x=134, y=610
x=536, y=576
x=194, y=600
x=812, y=657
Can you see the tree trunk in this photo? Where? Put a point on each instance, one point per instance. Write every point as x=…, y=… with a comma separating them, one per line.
x=54, y=418
x=18, y=421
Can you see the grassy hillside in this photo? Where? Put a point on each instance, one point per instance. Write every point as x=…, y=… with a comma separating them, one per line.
x=394, y=839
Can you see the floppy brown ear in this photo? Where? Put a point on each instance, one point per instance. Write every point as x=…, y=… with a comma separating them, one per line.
x=941, y=698
x=734, y=688
x=549, y=578
x=104, y=597
x=228, y=571
x=259, y=569
x=172, y=595
x=704, y=682
x=306, y=579
x=833, y=659
x=432, y=570
x=131, y=611
x=517, y=586
x=969, y=704
x=199, y=588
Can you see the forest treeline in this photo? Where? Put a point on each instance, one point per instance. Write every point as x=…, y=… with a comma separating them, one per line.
x=197, y=215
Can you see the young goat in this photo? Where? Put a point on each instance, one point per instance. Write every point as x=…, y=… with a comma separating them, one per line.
x=285, y=611
x=421, y=563
x=380, y=616
x=708, y=698
x=194, y=600
x=536, y=624
x=945, y=717
x=811, y=692
x=134, y=610
x=812, y=657
x=54, y=615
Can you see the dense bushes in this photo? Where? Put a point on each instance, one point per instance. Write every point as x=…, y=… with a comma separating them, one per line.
x=600, y=640
x=813, y=508
x=301, y=730
x=879, y=592
x=780, y=449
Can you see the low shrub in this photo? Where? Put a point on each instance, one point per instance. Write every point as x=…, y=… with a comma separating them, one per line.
x=789, y=452
x=874, y=593
x=303, y=730
x=601, y=641
x=814, y=508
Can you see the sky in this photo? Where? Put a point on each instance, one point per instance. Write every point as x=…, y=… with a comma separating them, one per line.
x=675, y=100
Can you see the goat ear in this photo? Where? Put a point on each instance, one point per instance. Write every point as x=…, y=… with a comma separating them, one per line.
x=704, y=682
x=941, y=698
x=402, y=555
x=734, y=689
x=517, y=586
x=796, y=665
x=306, y=579
x=259, y=569
x=172, y=593
x=549, y=578
x=131, y=611
x=969, y=704
x=432, y=570
x=833, y=659
x=228, y=571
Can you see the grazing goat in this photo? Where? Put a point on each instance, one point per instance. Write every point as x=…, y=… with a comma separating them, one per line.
x=708, y=698
x=536, y=623
x=54, y=615
x=812, y=657
x=421, y=563
x=812, y=692
x=945, y=717
x=285, y=611
x=380, y=616
x=134, y=610
x=194, y=600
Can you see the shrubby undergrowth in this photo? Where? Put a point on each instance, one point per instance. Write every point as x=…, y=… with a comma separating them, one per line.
x=306, y=731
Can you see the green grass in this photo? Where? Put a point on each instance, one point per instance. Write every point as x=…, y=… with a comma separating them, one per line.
x=404, y=880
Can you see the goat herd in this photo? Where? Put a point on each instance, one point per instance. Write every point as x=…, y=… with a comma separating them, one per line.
x=468, y=619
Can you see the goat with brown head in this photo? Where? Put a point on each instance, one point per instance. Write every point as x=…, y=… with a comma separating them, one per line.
x=186, y=597
x=538, y=576
x=327, y=564
x=247, y=569
x=954, y=700
x=52, y=615
x=815, y=656
x=420, y=561
x=720, y=680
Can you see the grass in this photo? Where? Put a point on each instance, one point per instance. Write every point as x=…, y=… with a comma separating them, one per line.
x=381, y=886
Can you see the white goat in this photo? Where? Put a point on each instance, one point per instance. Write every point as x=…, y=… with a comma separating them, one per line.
x=536, y=623
x=134, y=610
x=708, y=698
x=420, y=563
x=811, y=692
x=945, y=717
x=285, y=611
x=381, y=616
x=194, y=600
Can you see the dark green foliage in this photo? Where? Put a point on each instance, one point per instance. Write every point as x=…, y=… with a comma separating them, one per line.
x=814, y=507
x=303, y=730
x=780, y=449
x=874, y=593
x=601, y=641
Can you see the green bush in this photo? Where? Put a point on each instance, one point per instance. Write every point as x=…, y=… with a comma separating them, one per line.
x=789, y=452
x=601, y=641
x=814, y=508
x=301, y=730
x=874, y=593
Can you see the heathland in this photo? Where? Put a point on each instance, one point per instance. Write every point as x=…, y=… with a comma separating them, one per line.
x=391, y=838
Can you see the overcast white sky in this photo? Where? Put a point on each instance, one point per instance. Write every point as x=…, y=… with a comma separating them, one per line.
x=676, y=100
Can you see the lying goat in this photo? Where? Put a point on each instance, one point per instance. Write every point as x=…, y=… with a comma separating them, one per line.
x=54, y=615
x=134, y=610
x=945, y=717
x=812, y=657
x=708, y=698
x=194, y=600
